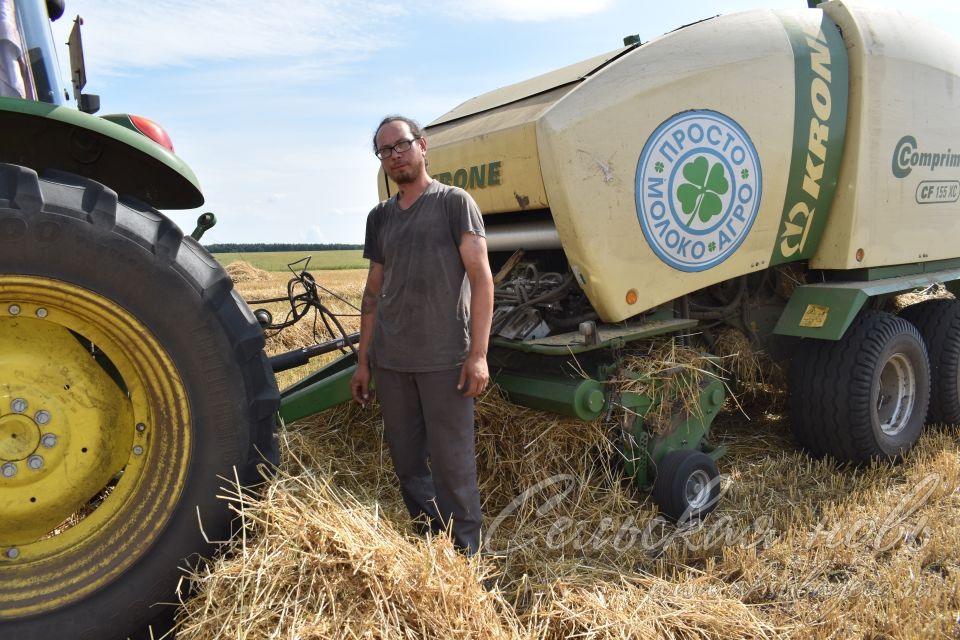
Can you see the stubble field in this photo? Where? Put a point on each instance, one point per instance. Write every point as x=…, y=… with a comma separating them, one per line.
x=798, y=548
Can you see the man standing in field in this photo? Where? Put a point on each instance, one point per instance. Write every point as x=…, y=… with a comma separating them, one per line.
x=425, y=320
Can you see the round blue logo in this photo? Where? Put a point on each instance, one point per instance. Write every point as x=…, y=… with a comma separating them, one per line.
x=697, y=189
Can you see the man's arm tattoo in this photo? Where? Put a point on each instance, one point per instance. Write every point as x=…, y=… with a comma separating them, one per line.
x=369, y=302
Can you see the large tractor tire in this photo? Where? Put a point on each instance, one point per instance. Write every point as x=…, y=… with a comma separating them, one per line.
x=939, y=323
x=862, y=397
x=133, y=386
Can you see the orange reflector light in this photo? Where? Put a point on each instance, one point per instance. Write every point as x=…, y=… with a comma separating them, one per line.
x=632, y=296
x=152, y=130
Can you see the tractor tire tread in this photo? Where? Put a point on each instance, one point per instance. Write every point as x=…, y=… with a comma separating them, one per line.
x=156, y=233
x=213, y=335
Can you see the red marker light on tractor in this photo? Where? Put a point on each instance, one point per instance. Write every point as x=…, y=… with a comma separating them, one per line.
x=152, y=130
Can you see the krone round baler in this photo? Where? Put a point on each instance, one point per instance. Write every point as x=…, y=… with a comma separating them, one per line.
x=782, y=173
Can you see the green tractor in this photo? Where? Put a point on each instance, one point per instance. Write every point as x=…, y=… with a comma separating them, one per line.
x=133, y=383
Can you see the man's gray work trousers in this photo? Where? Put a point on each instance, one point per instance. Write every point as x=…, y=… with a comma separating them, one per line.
x=428, y=425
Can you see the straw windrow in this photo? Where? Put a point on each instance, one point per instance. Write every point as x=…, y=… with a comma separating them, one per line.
x=243, y=272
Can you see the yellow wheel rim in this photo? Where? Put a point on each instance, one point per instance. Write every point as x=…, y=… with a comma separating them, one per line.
x=94, y=442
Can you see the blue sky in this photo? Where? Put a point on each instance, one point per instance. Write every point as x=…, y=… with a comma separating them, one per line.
x=273, y=103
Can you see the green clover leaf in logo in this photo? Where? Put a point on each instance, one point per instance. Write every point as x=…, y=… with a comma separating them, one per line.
x=700, y=196
x=658, y=167
x=745, y=174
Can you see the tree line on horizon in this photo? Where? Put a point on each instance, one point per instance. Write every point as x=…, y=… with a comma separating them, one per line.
x=264, y=247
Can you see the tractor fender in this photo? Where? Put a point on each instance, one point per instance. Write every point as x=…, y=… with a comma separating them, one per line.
x=44, y=136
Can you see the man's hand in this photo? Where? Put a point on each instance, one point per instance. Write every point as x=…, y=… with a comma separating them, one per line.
x=360, y=384
x=474, y=376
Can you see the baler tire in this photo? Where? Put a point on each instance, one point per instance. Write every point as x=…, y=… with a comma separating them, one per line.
x=840, y=391
x=687, y=485
x=938, y=321
x=184, y=356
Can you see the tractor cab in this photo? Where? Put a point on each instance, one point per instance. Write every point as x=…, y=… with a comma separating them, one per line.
x=28, y=60
x=132, y=154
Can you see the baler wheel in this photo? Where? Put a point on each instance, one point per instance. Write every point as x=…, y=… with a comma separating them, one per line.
x=133, y=386
x=687, y=486
x=939, y=323
x=862, y=397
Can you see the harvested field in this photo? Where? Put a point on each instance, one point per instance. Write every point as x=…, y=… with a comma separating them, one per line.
x=279, y=260
x=798, y=548
x=342, y=283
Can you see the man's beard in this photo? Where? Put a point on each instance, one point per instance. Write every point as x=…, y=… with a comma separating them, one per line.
x=408, y=173
x=405, y=176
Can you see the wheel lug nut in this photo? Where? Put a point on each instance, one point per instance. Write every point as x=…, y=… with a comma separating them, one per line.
x=35, y=462
x=14, y=309
x=13, y=553
x=41, y=313
x=141, y=427
x=42, y=417
x=19, y=405
x=49, y=440
x=138, y=450
x=8, y=470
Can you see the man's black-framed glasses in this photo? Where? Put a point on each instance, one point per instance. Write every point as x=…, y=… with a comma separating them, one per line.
x=404, y=145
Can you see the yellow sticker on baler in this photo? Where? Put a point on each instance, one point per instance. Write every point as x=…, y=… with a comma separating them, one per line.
x=815, y=316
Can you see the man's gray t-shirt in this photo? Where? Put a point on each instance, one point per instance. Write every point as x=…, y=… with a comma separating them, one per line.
x=423, y=313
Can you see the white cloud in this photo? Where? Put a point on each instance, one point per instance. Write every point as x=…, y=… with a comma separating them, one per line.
x=524, y=10
x=315, y=37
x=128, y=34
